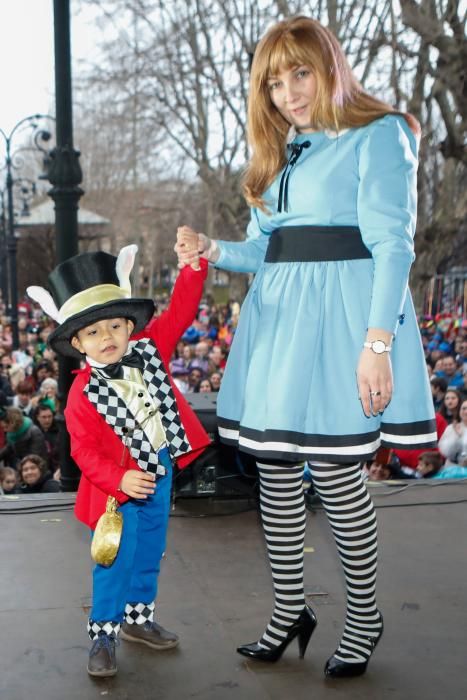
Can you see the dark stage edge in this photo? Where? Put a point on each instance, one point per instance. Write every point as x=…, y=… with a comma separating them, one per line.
x=215, y=592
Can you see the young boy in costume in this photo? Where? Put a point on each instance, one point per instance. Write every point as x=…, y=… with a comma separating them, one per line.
x=128, y=423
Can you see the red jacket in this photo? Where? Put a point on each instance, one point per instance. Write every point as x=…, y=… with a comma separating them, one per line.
x=409, y=458
x=96, y=449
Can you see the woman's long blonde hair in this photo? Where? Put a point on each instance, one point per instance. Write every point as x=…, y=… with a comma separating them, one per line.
x=340, y=100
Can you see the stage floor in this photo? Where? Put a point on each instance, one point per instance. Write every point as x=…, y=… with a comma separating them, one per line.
x=215, y=592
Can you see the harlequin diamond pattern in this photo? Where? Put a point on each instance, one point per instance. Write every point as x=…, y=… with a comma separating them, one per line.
x=109, y=628
x=117, y=415
x=139, y=613
x=158, y=383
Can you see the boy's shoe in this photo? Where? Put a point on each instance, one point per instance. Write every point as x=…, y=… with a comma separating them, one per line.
x=102, y=661
x=151, y=634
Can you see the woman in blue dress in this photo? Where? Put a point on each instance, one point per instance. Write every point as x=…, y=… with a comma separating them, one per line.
x=328, y=320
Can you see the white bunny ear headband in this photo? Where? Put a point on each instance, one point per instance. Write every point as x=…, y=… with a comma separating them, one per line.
x=87, y=288
x=42, y=297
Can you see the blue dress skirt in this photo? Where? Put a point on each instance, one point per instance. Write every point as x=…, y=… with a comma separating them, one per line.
x=289, y=391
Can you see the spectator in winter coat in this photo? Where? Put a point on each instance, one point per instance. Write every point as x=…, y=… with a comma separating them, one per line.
x=453, y=444
x=409, y=458
x=22, y=400
x=35, y=478
x=451, y=373
x=22, y=437
x=44, y=418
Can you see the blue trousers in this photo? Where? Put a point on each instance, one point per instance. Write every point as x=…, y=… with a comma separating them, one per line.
x=132, y=578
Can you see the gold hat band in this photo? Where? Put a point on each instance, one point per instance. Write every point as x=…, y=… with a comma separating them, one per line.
x=94, y=296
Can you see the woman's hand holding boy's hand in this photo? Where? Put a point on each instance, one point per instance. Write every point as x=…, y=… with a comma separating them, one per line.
x=188, y=241
x=187, y=247
x=137, y=484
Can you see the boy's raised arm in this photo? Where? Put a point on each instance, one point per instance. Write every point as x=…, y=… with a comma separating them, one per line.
x=167, y=329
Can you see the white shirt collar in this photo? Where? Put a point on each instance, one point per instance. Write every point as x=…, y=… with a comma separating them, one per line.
x=95, y=363
x=101, y=365
x=330, y=133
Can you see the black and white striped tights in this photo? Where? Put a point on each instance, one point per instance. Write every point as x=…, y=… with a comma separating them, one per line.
x=353, y=521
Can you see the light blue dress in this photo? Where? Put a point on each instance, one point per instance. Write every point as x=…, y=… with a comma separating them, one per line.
x=289, y=390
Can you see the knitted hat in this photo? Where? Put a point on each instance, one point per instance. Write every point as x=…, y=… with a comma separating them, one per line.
x=87, y=288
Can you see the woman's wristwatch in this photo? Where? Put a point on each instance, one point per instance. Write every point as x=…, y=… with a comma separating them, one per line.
x=378, y=346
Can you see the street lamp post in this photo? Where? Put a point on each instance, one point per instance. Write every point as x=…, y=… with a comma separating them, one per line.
x=3, y=253
x=64, y=173
x=11, y=237
x=11, y=250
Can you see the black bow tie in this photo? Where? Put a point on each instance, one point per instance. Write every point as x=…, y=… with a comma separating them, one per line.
x=133, y=359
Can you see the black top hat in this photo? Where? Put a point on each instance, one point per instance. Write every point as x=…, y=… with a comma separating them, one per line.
x=88, y=288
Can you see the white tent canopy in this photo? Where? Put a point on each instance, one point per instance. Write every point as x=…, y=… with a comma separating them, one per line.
x=44, y=215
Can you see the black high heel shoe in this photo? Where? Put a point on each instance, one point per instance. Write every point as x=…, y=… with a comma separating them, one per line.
x=303, y=628
x=336, y=668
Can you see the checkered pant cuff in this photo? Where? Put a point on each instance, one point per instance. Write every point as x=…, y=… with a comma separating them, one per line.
x=139, y=613
x=97, y=628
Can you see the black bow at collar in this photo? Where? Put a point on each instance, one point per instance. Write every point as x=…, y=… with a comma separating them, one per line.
x=295, y=153
x=115, y=370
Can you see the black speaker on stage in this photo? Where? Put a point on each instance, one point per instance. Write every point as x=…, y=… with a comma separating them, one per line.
x=221, y=470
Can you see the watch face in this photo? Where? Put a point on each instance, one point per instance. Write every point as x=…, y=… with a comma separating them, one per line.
x=378, y=346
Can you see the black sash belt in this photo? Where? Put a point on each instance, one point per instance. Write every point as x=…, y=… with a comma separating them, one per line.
x=316, y=244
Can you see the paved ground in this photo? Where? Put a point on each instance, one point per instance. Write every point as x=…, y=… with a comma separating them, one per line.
x=215, y=592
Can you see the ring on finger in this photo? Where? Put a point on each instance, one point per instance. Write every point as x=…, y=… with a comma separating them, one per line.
x=375, y=393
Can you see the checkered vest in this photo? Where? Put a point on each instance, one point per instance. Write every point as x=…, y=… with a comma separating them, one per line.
x=115, y=412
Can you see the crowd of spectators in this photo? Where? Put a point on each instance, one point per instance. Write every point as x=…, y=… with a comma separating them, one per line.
x=29, y=435
x=201, y=355
x=28, y=390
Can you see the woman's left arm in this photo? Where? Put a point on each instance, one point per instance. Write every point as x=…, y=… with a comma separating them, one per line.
x=387, y=207
x=387, y=211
